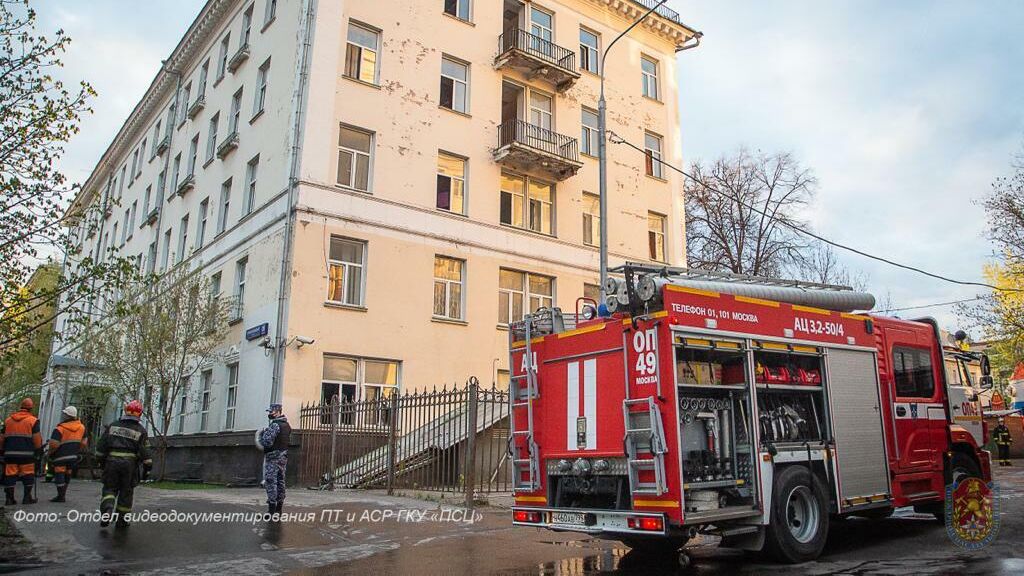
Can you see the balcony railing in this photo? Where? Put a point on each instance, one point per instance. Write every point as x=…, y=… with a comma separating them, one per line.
x=186, y=184
x=240, y=56
x=529, y=147
x=663, y=11
x=196, y=107
x=230, y=143
x=538, y=57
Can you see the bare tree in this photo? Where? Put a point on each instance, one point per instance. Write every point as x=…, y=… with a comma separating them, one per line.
x=726, y=233
x=820, y=263
x=150, y=346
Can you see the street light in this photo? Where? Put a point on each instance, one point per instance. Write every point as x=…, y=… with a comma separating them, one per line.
x=602, y=154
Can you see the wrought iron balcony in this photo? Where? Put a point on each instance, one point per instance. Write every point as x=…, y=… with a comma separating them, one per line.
x=230, y=143
x=663, y=11
x=196, y=107
x=187, y=183
x=240, y=56
x=525, y=147
x=164, y=144
x=537, y=58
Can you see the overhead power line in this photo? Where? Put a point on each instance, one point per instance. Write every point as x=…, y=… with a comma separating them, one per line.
x=936, y=305
x=616, y=139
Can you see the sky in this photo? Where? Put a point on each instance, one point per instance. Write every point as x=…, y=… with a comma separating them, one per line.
x=906, y=111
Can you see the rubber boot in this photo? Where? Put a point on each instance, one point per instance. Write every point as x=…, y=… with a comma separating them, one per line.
x=27, y=497
x=61, y=492
x=271, y=508
x=9, y=493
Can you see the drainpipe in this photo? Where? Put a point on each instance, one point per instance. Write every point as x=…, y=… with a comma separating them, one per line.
x=167, y=159
x=696, y=36
x=298, y=105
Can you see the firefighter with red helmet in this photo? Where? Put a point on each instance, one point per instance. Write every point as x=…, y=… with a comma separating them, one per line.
x=1003, y=440
x=123, y=446
x=22, y=445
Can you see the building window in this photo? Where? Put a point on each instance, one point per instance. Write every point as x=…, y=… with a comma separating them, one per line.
x=589, y=142
x=345, y=275
x=589, y=52
x=176, y=170
x=240, y=271
x=251, y=170
x=204, y=72
x=167, y=250
x=649, y=71
x=232, y=400
x=183, y=104
x=454, y=85
x=204, y=414
x=542, y=25
x=270, y=13
x=131, y=218
x=211, y=137
x=135, y=164
x=542, y=110
x=193, y=151
x=451, y=183
x=127, y=226
x=204, y=215
x=222, y=59
x=458, y=8
x=182, y=405
x=151, y=258
x=448, y=289
x=182, y=239
x=225, y=206
x=652, y=147
x=361, y=53
x=142, y=154
x=591, y=219
x=236, y=112
x=262, y=78
x=518, y=288
x=358, y=379
x=354, y=153
x=912, y=370
x=156, y=139
x=527, y=203
x=246, y=28
x=656, y=236
x=161, y=183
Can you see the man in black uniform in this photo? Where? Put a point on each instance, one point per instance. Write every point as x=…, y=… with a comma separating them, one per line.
x=1003, y=440
x=122, y=447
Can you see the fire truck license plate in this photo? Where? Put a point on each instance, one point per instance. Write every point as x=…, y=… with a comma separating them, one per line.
x=569, y=518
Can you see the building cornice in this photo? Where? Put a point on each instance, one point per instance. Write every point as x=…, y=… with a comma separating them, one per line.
x=206, y=24
x=671, y=29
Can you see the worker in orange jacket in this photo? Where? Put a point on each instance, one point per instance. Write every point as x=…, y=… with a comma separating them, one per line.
x=66, y=442
x=22, y=445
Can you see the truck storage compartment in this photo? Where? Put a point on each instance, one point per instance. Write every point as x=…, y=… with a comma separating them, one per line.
x=791, y=410
x=715, y=422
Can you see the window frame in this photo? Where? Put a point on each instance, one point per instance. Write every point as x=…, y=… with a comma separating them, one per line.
x=231, y=397
x=202, y=221
x=351, y=46
x=262, y=82
x=211, y=138
x=650, y=80
x=653, y=236
x=224, y=206
x=235, y=114
x=455, y=81
x=448, y=283
x=367, y=417
x=594, y=223
x=351, y=185
x=346, y=274
x=222, y=57
x=587, y=51
x=652, y=168
x=251, y=179
x=590, y=136
x=527, y=205
x=899, y=352
x=464, y=179
x=468, y=4
x=206, y=399
x=525, y=293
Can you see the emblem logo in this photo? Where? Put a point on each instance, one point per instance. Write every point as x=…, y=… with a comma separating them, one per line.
x=972, y=516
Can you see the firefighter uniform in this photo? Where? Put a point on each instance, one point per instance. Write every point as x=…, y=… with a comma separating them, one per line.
x=1002, y=437
x=66, y=442
x=22, y=444
x=274, y=441
x=123, y=446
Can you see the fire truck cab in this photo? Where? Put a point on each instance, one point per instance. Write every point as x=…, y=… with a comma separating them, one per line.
x=747, y=408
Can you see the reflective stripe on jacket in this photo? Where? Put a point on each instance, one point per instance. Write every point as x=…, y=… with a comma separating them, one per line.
x=66, y=442
x=21, y=438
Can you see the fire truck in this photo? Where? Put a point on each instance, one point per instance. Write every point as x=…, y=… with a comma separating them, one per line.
x=753, y=409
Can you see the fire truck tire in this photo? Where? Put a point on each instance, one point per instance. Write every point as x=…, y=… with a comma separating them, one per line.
x=799, y=520
x=960, y=467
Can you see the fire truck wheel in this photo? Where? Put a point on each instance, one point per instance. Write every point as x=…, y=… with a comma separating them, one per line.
x=960, y=467
x=799, y=520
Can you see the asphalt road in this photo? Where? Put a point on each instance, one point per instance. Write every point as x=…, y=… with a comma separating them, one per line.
x=364, y=534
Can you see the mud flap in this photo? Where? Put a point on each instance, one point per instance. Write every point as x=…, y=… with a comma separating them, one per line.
x=742, y=538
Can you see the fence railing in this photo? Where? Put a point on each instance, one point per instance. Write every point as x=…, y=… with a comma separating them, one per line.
x=663, y=11
x=521, y=132
x=538, y=47
x=448, y=440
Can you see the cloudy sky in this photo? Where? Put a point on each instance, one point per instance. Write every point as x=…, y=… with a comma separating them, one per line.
x=905, y=110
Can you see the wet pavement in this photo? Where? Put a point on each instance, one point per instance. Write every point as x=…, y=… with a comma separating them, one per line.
x=360, y=533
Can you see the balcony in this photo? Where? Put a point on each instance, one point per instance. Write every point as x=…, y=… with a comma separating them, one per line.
x=228, y=145
x=196, y=107
x=164, y=144
x=152, y=216
x=528, y=148
x=187, y=183
x=240, y=56
x=537, y=58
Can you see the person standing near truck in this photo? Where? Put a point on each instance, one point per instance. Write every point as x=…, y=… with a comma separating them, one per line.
x=1002, y=437
x=66, y=442
x=22, y=444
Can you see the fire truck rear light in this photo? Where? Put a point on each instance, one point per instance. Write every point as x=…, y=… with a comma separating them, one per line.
x=526, y=516
x=648, y=524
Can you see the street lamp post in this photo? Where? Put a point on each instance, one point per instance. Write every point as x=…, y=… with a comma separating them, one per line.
x=602, y=153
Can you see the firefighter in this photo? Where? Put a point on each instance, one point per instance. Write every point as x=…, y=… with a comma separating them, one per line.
x=22, y=444
x=1003, y=440
x=123, y=446
x=274, y=441
x=66, y=442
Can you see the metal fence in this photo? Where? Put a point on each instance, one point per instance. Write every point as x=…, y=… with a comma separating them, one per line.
x=538, y=47
x=521, y=132
x=439, y=440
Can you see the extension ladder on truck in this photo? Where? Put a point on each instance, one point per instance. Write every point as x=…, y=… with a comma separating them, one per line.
x=645, y=445
x=522, y=447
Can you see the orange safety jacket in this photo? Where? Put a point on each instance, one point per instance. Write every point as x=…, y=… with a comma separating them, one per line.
x=66, y=442
x=21, y=439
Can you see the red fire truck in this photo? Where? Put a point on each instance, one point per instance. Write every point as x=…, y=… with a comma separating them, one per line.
x=747, y=408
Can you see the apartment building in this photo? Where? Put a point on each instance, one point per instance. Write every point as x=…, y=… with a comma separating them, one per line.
x=394, y=181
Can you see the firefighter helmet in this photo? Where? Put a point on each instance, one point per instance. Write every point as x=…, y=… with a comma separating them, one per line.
x=133, y=408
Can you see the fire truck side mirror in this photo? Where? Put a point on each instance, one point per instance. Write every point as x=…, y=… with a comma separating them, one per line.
x=986, y=366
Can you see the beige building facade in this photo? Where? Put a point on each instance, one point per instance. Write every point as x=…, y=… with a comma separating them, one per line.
x=439, y=159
